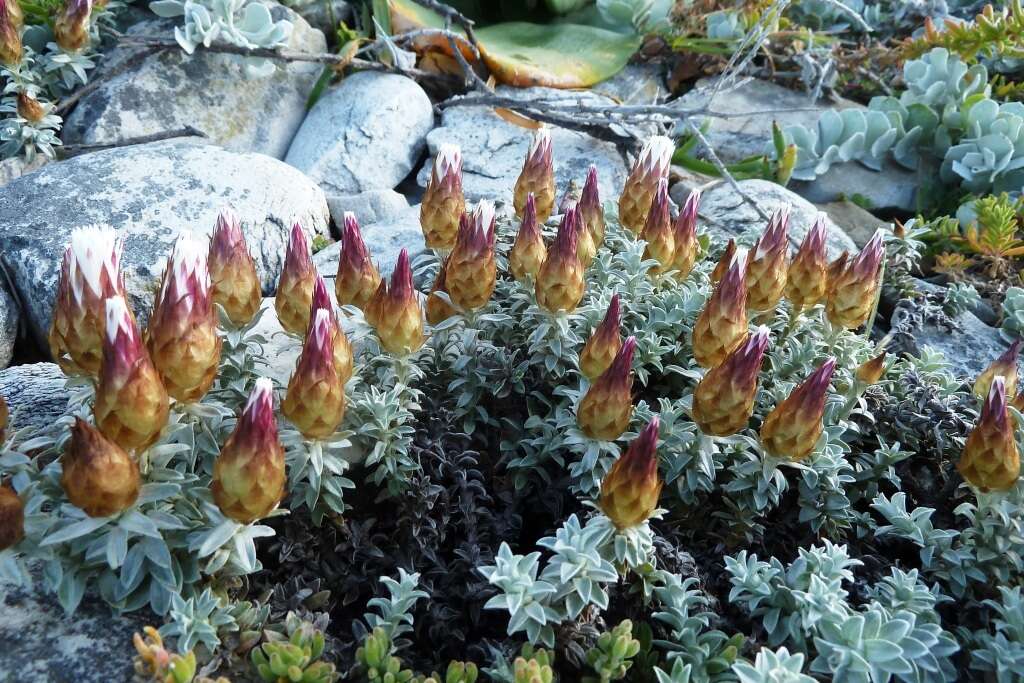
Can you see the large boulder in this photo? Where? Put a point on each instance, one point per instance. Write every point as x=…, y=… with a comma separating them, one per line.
x=746, y=132
x=149, y=193
x=726, y=213
x=365, y=134
x=36, y=394
x=170, y=90
x=493, y=149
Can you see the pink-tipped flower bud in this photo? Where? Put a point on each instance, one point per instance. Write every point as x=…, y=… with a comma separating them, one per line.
x=590, y=207
x=990, y=460
x=607, y=407
x=235, y=284
x=472, y=272
x=807, y=281
x=438, y=308
x=768, y=266
x=586, y=249
x=358, y=278
x=722, y=325
x=560, y=283
x=249, y=473
x=604, y=343
x=537, y=177
x=528, y=251
x=638, y=193
x=182, y=333
x=685, y=231
x=852, y=294
x=315, y=401
x=724, y=399
x=295, y=287
x=792, y=429
x=871, y=370
x=131, y=403
x=90, y=274
x=395, y=312
x=71, y=28
x=443, y=201
x=728, y=256
x=630, y=490
x=1005, y=366
x=658, y=231
x=343, y=360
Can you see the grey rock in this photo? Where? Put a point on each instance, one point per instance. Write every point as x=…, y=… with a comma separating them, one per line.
x=15, y=167
x=724, y=212
x=40, y=644
x=967, y=343
x=744, y=136
x=365, y=134
x=9, y=318
x=635, y=84
x=149, y=193
x=856, y=222
x=493, y=149
x=36, y=395
x=685, y=181
x=171, y=90
x=384, y=240
x=323, y=14
x=369, y=207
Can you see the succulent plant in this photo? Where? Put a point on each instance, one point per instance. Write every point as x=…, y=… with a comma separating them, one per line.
x=295, y=659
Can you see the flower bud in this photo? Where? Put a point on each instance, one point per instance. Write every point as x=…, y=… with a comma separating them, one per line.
x=439, y=310
x=395, y=312
x=11, y=21
x=586, y=248
x=71, y=28
x=630, y=490
x=315, y=401
x=4, y=415
x=249, y=473
x=808, y=274
x=12, y=517
x=728, y=256
x=722, y=325
x=570, y=197
x=29, y=108
x=768, y=266
x=871, y=370
x=990, y=461
x=131, y=403
x=607, y=407
x=792, y=429
x=295, y=287
x=852, y=295
x=603, y=345
x=658, y=231
x=358, y=278
x=182, y=334
x=1004, y=366
x=471, y=271
x=560, y=281
x=98, y=475
x=528, y=251
x=724, y=399
x=443, y=201
x=343, y=360
x=642, y=184
x=590, y=207
x=834, y=270
x=685, y=233
x=90, y=273
x=234, y=282
x=537, y=178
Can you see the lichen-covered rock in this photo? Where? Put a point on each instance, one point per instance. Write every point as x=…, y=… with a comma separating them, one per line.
x=493, y=149
x=149, y=194
x=169, y=90
x=9, y=317
x=724, y=212
x=367, y=133
x=36, y=395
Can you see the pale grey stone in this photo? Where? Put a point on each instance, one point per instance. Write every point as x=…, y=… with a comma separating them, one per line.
x=10, y=316
x=894, y=187
x=15, y=167
x=367, y=133
x=372, y=206
x=725, y=212
x=967, y=343
x=856, y=222
x=635, y=84
x=493, y=149
x=149, y=194
x=36, y=394
x=170, y=90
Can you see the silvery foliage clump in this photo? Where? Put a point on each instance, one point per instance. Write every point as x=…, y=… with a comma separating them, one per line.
x=1013, y=313
x=645, y=16
x=394, y=613
x=777, y=666
x=805, y=606
x=998, y=651
x=243, y=23
x=694, y=650
x=959, y=298
x=946, y=116
x=581, y=566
